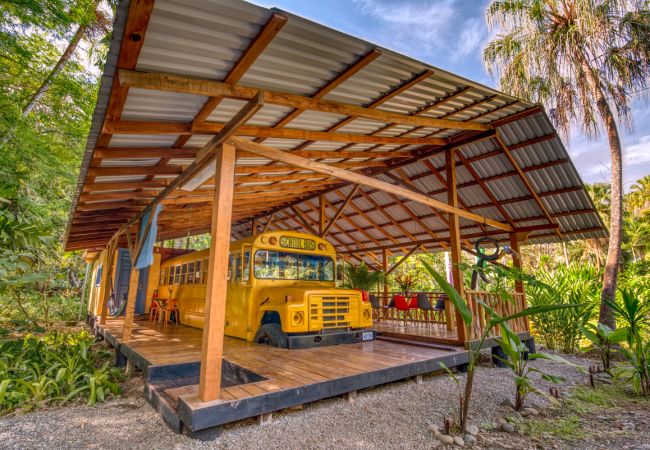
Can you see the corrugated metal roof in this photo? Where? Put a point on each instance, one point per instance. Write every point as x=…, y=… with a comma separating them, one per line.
x=206, y=39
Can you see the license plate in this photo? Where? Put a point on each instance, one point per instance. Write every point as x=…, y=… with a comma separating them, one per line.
x=366, y=336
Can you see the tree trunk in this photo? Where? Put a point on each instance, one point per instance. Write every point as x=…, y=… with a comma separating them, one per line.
x=45, y=85
x=608, y=293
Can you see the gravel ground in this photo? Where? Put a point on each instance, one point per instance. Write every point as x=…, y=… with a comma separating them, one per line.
x=396, y=415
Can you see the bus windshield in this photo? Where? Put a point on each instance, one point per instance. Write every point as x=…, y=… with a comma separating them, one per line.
x=271, y=264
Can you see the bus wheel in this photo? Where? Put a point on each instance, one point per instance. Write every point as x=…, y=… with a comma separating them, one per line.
x=271, y=334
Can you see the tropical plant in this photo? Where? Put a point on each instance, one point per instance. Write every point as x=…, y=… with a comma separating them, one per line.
x=517, y=358
x=634, y=313
x=54, y=369
x=639, y=196
x=602, y=340
x=576, y=284
x=582, y=59
x=405, y=281
x=360, y=277
x=493, y=320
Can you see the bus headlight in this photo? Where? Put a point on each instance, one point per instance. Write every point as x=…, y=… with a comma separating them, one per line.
x=298, y=318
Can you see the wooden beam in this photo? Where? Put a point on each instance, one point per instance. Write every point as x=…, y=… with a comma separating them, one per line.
x=330, y=86
x=525, y=180
x=353, y=177
x=339, y=211
x=187, y=85
x=269, y=222
x=322, y=215
x=305, y=221
x=149, y=127
x=454, y=239
x=215, y=296
x=258, y=44
x=132, y=41
x=205, y=156
x=402, y=259
x=144, y=152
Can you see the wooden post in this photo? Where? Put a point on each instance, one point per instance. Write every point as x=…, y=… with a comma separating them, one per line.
x=129, y=312
x=384, y=261
x=454, y=236
x=215, y=295
x=516, y=262
x=254, y=226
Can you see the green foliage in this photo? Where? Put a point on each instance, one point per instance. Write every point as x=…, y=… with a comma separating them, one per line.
x=360, y=277
x=576, y=284
x=54, y=369
x=40, y=153
x=602, y=340
x=474, y=349
x=634, y=313
x=517, y=359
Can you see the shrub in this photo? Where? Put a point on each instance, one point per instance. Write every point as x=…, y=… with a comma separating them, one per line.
x=577, y=285
x=54, y=369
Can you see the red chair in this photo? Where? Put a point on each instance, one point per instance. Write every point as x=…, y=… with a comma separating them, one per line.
x=405, y=306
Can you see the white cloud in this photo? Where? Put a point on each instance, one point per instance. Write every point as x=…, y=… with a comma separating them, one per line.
x=413, y=26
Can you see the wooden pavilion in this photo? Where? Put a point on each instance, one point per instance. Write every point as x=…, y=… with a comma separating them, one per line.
x=238, y=119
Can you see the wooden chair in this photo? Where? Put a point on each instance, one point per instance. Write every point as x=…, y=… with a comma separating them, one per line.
x=154, y=310
x=170, y=309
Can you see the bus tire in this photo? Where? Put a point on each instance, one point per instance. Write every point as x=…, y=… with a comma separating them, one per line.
x=271, y=334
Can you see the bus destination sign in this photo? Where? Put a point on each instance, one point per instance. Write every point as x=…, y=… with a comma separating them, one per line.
x=298, y=243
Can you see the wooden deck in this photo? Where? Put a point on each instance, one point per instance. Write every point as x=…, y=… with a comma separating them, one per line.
x=169, y=356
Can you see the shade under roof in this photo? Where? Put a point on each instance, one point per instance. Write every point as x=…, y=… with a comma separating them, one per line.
x=140, y=139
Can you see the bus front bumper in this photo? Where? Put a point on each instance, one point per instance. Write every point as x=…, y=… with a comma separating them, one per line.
x=321, y=340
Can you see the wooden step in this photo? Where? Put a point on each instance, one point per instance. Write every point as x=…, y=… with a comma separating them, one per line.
x=417, y=343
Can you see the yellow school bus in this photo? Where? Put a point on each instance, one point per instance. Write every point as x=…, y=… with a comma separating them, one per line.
x=281, y=291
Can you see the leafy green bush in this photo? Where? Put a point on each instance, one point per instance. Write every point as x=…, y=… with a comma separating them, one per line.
x=634, y=312
x=54, y=369
x=577, y=285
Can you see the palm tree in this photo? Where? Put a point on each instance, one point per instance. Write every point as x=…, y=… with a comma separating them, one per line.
x=637, y=232
x=583, y=59
x=639, y=196
x=359, y=277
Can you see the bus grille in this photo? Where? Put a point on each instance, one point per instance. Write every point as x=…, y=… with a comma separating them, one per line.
x=331, y=311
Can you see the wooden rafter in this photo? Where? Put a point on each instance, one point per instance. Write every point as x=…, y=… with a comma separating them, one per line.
x=187, y=85
x=352, y=177
x=138, y=127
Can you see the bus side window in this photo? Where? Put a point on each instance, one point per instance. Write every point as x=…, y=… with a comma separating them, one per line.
x=184, y=273
x=238, y=267
x=197, y=271
x=247, y=267
x=230, y=263
x=190, y=273
x=163, y=277
x=205, y=271
x=177, y=274
x=170, y=275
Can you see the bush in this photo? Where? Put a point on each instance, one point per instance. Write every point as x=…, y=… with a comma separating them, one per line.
x=577, y=285
x=54, y=369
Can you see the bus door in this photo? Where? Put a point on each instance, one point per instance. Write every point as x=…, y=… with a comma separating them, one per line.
x=238, y=298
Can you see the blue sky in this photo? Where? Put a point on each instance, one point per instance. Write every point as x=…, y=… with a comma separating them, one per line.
x=451, y=34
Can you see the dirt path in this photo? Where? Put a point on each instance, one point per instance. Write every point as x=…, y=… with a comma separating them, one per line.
x=392, y=416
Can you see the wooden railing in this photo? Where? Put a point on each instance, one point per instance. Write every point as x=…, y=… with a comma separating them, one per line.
x=438, y=317
x=502, y=305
